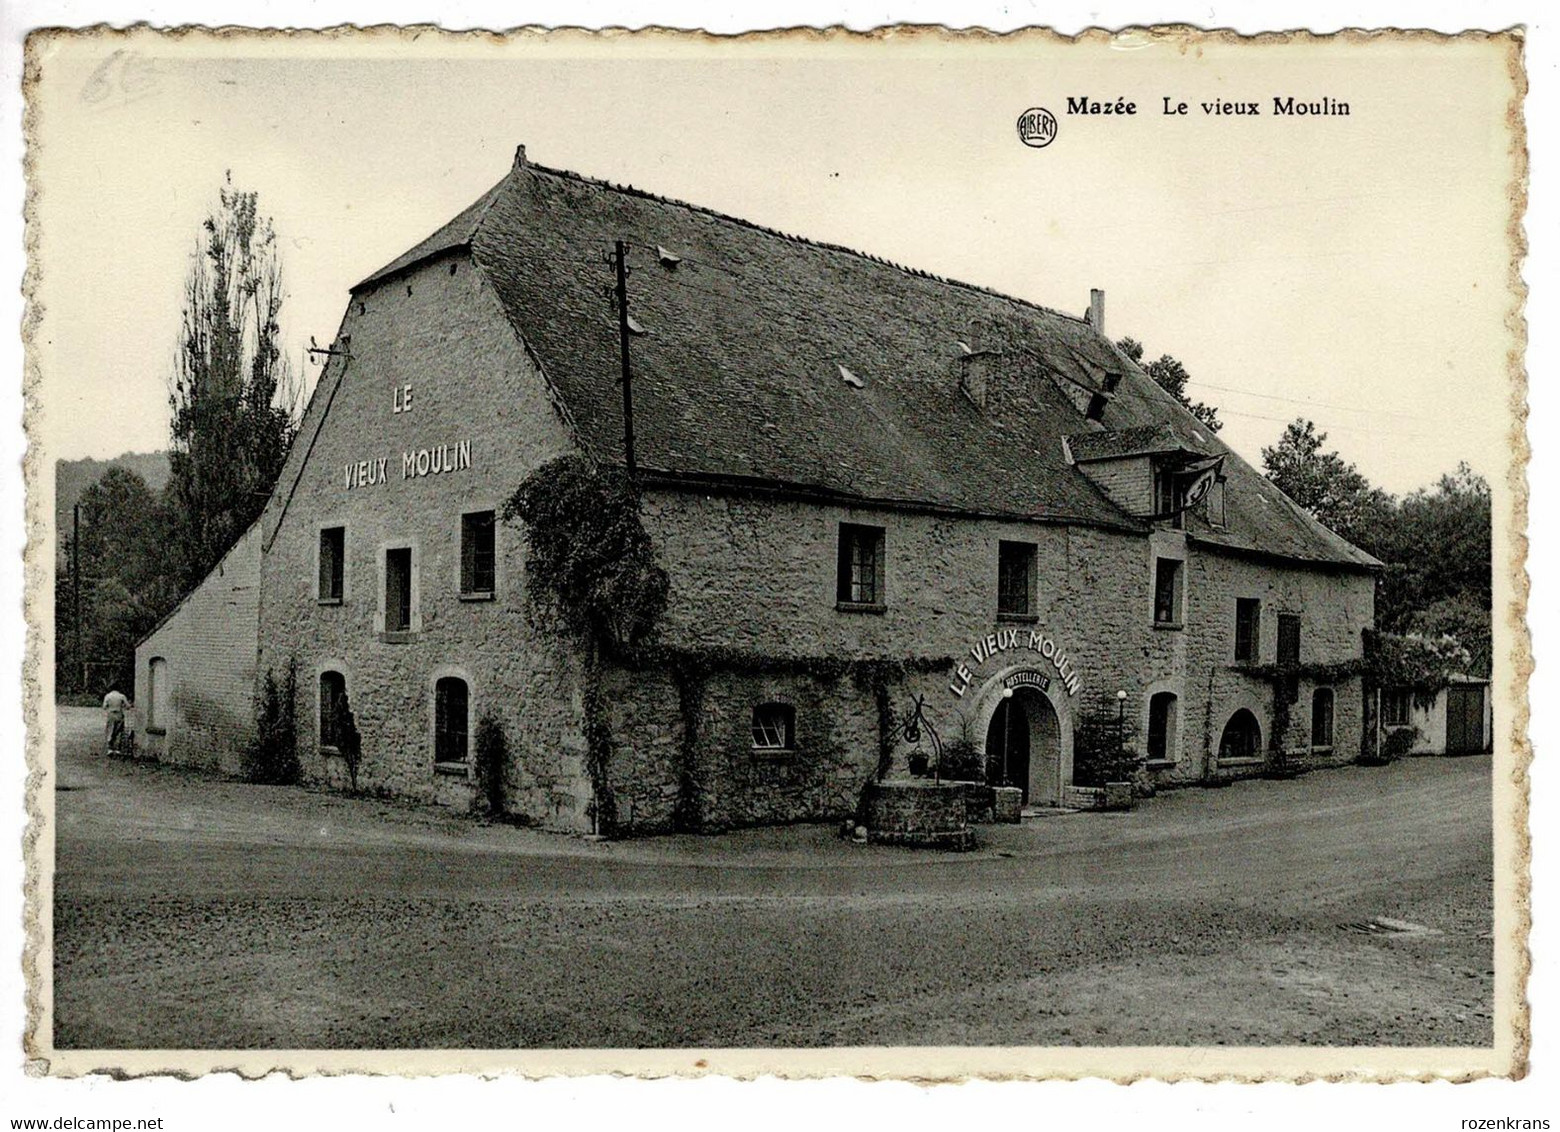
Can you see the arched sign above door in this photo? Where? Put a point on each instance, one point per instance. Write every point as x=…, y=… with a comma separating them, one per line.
x=1007, y=640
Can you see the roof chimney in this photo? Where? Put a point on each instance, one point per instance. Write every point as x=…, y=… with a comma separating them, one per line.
x=1096, y=309
x=519, y=157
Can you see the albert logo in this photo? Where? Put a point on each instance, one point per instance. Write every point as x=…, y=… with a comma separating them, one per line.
x=1037, y=127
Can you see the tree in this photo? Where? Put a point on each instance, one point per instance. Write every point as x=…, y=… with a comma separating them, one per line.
x=1328, y=486
x=127, y=580
x=1462, y=618
x=1171, y=376
x=233, y=396
x=1440, y=553
x=1434, y=544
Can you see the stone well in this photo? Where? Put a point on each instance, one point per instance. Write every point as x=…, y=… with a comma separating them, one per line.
x=919, y=813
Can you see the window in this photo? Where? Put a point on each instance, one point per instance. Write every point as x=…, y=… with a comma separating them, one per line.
x=1289, y=639
x=1289, y=656
x=1395, y=707
x=1161, y=728
x=1248, y=628
x=398, y=590
x=157, y=696
x=774, y=727
x=476, y=554
x=333, y=541
x=1322, y=717
x=1015, y=578
x=860, y=579
x=450, y=704
x=1169, y=494
x=1242, y=738
x=333, y=708
x=1167, y=591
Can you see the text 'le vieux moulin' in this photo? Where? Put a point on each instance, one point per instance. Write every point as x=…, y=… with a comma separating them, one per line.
x=431, y=461
x=1004, y=640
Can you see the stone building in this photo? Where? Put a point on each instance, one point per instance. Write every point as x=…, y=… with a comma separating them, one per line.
x=868, y=486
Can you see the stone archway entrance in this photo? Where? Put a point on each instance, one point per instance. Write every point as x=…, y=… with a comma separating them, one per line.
x=1024, y=747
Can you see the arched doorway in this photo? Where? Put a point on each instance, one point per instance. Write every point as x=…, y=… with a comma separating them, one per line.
x=1024, y=747
x=1242, y=737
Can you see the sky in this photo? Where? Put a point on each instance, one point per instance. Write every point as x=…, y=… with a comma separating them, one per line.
x=1348, y=269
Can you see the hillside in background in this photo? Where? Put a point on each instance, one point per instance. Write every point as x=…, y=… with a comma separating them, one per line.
x=72, y=477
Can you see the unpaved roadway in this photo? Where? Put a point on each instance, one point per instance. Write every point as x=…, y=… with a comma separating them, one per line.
x=194, y=913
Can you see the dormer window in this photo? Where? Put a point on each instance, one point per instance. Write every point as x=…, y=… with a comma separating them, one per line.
x=1169, y=493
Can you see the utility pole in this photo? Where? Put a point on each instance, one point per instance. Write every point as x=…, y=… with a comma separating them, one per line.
x=628, y=388
x=75, y=585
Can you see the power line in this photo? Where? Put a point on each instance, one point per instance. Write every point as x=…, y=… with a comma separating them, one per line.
x=1306, y=401
x=671, y=278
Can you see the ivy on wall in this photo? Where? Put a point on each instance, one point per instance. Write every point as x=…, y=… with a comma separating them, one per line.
x=691, y=669
x=1102, y=743
x=591, y=571
x=590, y=566
x=1285, y=681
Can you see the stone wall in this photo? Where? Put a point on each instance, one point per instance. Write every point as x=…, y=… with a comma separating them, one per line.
x=665, y=777
x=758, y=574
x=203, y=714
x=439, y=330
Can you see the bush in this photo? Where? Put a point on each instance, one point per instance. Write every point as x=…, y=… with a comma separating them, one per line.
x=492, y=754
x=962, y=761
x=272, y=758
x=1102, y=749
x=1399, y=742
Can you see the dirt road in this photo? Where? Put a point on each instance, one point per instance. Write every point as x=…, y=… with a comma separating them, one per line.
x=195, y=913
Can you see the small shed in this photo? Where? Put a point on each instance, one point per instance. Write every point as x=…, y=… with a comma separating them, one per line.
x=1455, y=719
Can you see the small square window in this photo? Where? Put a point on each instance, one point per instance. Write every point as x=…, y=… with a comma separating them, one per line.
x=1395, y=710
x=1167, y=591
x=476, y=554
x=398, y=590
x=333, y=543
x=860, y=573
x=1015, y=578
x=774, y=727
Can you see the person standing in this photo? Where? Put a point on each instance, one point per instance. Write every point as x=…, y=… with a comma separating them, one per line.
x=114, y=706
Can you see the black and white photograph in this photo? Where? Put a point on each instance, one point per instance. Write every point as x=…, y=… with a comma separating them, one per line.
x=922, y=555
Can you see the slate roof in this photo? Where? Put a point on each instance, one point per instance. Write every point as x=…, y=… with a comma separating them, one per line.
x=738, y=377
x=1140, y=440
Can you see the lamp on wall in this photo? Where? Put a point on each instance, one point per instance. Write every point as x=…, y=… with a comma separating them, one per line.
x=1007, y=735
x=1121, y=723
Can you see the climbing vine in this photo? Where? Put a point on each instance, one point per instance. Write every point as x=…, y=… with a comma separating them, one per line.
x=272, y=755
x=689, y=813
x=598, y=747
x=591, y=566
x=1285, y=680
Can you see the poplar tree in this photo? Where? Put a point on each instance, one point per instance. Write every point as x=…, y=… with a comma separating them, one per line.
x=233, y=396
